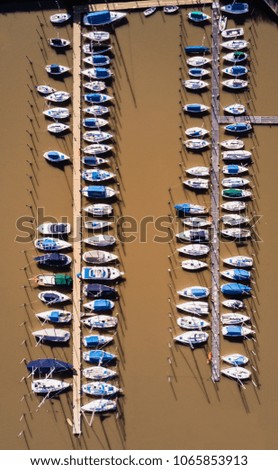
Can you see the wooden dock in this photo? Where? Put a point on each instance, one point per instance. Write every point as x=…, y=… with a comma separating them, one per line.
x=257, y=120
x=143, y=4
x=76, y=268
x=215, y=106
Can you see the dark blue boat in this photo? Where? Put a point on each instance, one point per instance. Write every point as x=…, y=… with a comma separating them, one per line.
x=197, y=50
x=53, y=259
x=235, y=289
x=98, y=356
x=236, y=8
x=239, y=127
x=187, y=209
x=47, y=366
x=96, y=291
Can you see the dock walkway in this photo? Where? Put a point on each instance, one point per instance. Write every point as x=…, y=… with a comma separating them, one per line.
x=259, y=120
x=143, y=4
x=215, y=106
x=76, y=295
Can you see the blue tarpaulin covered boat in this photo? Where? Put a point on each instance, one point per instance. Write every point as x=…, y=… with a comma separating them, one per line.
x=97, y=18
x=46, y=366
x=235, y=289
x=197, y=50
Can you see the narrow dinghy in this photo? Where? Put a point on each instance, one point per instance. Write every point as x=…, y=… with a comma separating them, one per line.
x=190, y=209
x=192, y=338
x=51, y=297
x=236, y=373
x=195, y=108
x=100, y=273
x=100, y=305
x=99, y=210
x=194, y=292
x=198, y=17
x=56, y=69
x=91, y=160
x=99, y=257
x=234, y=304
x=97, y=175
x=57, y=113
x=233, y=206
x=100, y=406
x=57, y=128
x=99, y=373
x=96, y=136
x=235, y=84
x=55, y=316
x=197, y=235
x=235, y=44
x=193, y=265
x=235, y=359
x=97, y=36
x=170, y=9
x=97, y=149
x=195, y=84
x=222, y=22
x=198, y=171
x=52, y=335
x=236, y=57
x=48, y=366
x=45, y=89
x=194, y=308
x=198, y=61
x=236, y=233
x=101, y=322
x=59, y=43
x=96, y=86
x=235, y=289
x=51, y=244
x=49, y=386
x=96, y=110
x=96, y=341
x=97, y=73
x=192, y=323
x=54, y=156
x=149, y=11
x=232, y=144
x=234, y=220
x=235, y=109
x=100, y=389
x=59, y=18
x=232, y=33
x=98, y=192
x=100, y=240
x=235, y=182
x=194, y=250
x=53, y=260
x=197, y=184
x=239, y=261
x=234, y=318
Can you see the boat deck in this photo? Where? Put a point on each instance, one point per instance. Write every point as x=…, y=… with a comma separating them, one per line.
x=215, y=106
x=76, y=268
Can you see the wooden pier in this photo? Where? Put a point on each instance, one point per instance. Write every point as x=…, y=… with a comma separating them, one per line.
x=257, y=120
x=76, y=268
x=215, y=106
x=143, y=4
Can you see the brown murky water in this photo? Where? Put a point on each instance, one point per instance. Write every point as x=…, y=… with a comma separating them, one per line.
x=170, y=401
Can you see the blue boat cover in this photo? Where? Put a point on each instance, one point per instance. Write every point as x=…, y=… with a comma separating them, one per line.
x=93, y=97
x=90, y=122
x=90, y=160
x=102, y=72
x=239, y=361
x=234, y=330
x=99, y=356
x=96, y=18
x=241, y=275
x=54, y=316
x=50, y=297
x=97, y=191
x=235, y=289
x=45, y=366
x=184, y=208
x=243, y=7
x=52, y=259
x=196, y=108
x=99, y=59
x=101, y=305
x=55, y=156
x=238, y=69
x=239, y=126
x=198, y=291
x=233, y=169
x=93, y=341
